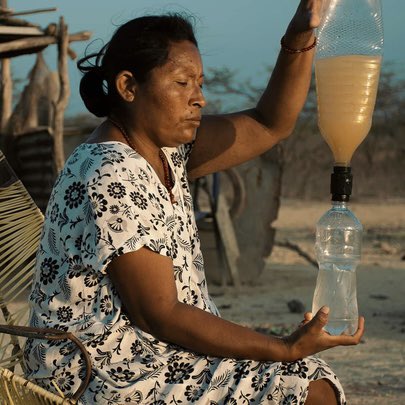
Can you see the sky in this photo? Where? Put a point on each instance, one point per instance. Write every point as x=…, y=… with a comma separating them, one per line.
x=243, y=35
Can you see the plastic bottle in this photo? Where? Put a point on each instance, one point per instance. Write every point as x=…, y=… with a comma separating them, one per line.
x=347, y=66
x=350, y=27
x=347, y=69
x=338, y=251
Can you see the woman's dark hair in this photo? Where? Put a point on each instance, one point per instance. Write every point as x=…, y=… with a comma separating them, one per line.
x=137, y=46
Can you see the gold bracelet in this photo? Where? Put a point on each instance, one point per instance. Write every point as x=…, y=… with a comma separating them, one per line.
x=287, y=49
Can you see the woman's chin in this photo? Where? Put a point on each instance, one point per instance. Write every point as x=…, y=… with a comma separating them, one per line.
x=185, y=137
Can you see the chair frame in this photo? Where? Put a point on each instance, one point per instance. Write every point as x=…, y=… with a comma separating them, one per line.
x=54, y=334
x=21, y=221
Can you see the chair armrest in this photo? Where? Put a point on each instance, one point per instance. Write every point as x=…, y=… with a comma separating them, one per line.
x=53, y=334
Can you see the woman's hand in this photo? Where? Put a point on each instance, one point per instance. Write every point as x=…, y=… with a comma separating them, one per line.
x=311, y=338
x=307, y=318
x=307, y=17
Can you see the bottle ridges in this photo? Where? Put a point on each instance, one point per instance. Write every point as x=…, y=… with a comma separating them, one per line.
x=346, y=92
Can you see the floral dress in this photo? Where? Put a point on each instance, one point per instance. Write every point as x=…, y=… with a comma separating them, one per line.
x=106, y=202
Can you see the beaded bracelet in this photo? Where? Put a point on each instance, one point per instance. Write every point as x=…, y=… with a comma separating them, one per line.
x=287, y=49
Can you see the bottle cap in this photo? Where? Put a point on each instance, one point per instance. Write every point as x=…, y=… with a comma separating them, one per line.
x=341, y=181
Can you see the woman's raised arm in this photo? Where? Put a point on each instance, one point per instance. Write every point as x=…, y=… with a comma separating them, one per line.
x=227, y=140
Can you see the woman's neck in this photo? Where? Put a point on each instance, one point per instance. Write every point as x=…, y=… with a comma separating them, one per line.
x=150, y=152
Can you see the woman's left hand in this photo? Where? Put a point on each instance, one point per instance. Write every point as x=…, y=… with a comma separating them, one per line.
x=307, y=318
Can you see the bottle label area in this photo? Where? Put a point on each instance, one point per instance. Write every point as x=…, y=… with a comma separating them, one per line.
x=337, y=244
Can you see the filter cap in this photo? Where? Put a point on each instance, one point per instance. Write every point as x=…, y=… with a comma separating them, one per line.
x=341, y=182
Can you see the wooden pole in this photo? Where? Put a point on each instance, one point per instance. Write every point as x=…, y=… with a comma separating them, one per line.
x=26, y=12
x=5, y=10
x=64, y=93
x=6, y=93
x=37, y=42
x=6, y=87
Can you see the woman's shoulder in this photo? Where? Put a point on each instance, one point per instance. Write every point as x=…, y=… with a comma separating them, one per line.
x=90, y=159
x=107, y=152
x=92, y=163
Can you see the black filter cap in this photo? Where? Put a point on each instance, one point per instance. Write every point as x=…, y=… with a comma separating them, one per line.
x=341, y=181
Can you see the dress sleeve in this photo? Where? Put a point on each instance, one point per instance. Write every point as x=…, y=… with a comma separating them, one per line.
x=124, y=213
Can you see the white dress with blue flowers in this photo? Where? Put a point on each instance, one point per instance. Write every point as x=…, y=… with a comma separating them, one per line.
x=106, y=202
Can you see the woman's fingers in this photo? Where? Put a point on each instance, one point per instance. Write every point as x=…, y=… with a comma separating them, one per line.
x=308, y=14
x=321, y=318
x=307, y=318
x=315, y=19
x=347, y=340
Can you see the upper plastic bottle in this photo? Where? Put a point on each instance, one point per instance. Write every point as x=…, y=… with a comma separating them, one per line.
x=350, y=27
x=347, y=68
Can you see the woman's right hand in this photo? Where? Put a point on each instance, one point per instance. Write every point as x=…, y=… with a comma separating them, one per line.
x=311, y=338
x=307, y=17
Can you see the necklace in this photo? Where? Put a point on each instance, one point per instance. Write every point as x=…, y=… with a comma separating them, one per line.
x=167, y=178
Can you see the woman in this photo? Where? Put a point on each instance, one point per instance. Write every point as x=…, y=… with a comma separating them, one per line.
x=120, y=263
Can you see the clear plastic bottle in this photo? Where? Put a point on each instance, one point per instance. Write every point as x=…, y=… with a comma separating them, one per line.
x=347, y=68
x=350, y=27
x=338, y=251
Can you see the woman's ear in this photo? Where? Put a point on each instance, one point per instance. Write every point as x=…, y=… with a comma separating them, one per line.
x=125, y=84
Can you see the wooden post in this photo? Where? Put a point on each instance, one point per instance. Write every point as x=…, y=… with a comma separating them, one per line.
x=6, y=87
x=228, y=237
x=64, y=93
x=6, y=93
x=37, y=42
x=40, y=10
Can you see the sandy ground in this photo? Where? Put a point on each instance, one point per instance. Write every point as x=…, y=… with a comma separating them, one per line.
x=374, y=371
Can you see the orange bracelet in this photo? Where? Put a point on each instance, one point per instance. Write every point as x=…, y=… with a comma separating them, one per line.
x=287, y=49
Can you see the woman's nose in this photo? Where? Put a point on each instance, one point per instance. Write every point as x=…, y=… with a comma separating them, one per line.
x=198, y=98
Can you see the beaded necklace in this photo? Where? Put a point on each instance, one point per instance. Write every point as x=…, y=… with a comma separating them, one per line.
x=167, y=178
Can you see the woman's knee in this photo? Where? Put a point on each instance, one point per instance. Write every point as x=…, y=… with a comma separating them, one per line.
x=321, y=392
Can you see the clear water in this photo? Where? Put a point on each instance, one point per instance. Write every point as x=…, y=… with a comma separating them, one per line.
x=341, y=326
x=336, y=288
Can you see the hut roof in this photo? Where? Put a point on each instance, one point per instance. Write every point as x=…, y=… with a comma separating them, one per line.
x=20, y=37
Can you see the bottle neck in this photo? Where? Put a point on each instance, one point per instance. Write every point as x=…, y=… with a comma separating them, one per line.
x=342, y=205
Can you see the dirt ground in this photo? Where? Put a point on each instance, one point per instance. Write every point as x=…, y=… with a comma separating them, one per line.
x=374, y=371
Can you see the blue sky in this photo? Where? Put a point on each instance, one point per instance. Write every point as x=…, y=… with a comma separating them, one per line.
x=241, y=34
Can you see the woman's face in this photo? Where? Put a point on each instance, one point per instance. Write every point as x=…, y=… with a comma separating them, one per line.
x=167, y=107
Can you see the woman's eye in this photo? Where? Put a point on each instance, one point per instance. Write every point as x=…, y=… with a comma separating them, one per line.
x=184, y=84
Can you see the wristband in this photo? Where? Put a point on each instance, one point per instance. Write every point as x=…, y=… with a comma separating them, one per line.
x=287, y=49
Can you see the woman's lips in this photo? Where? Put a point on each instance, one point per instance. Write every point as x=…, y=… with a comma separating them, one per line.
x=193, y=121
